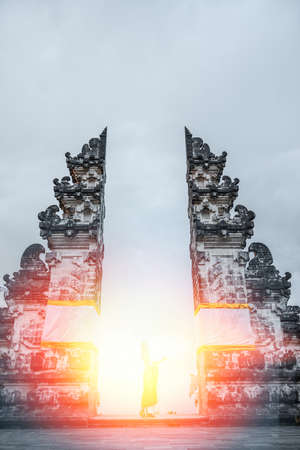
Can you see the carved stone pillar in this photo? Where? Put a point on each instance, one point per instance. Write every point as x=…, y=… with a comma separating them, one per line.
x=261, y=380
x=35, y=379
x=217, y=239
x=218, y=236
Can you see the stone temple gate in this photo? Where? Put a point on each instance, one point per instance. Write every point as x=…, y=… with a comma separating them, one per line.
x=56, y=372
x=247, y=337
x=248, y=358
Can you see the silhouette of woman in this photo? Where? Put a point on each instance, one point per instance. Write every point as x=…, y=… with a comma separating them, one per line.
x=150, y=380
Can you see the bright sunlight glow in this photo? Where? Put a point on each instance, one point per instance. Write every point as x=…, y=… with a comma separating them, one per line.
x=121, y=364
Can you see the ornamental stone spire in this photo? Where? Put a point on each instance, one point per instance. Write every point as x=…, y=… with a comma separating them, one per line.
x=74, y=230
x=218, y=234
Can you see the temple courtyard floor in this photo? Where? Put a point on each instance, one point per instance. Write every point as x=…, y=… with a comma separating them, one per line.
x=153, y=437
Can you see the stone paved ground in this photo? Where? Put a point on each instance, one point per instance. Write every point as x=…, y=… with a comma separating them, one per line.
x=179, y=438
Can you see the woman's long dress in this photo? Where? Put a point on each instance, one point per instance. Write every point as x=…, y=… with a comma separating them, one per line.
x=149, y=397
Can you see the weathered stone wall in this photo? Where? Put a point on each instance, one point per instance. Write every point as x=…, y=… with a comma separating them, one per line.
x=266, y=381
x=56, y=381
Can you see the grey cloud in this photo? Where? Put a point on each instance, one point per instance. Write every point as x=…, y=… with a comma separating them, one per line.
x=229, y=70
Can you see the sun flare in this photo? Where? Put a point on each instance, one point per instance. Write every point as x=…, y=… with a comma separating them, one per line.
x=121, y=372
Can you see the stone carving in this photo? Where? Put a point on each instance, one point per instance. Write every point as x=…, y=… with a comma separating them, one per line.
x=94, y=255
x=92, y=154
x=77, y=190
x=31, y=333
x=241, y=258
x=238, y=396
x=214, y=190
x=48, y=219
x=265, y=276
x=293, y=309
x=229, y=184
x=199, y=152
x=243, y=215
x=5, y=361
x=31, y=258
x=6, y=324
x=262, y=257
x=31, y=281
x=251, y=360
x=288, y=394
x=10, y=398
x=51, y=222
x=202, y=257
x=242, y=222
x=290, y=322
x=53, y=258
x=288, y=360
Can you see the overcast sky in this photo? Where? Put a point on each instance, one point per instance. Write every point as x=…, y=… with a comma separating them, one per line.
x=229, y=70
